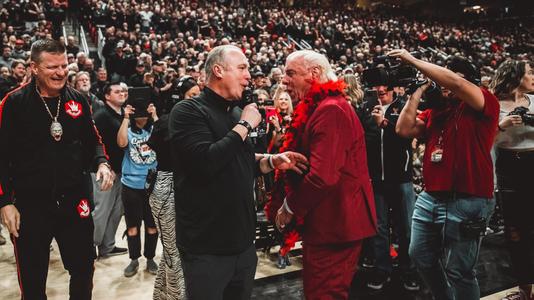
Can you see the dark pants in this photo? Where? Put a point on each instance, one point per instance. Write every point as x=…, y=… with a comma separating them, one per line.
x=400, y=198
x=213, y=277
x=66, y=217
x=515, y=193
x=137, y=210
x=328, y=269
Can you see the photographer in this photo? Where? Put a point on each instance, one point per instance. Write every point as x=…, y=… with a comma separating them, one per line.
x=389, y=157
x=451, y=215
x=214, y=168
x=515, y=158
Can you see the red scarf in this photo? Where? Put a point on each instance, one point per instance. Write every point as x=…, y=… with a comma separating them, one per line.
x=285, y=182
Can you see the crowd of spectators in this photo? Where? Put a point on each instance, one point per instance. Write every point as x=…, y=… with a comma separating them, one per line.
x=155, y=43
x=164, y=45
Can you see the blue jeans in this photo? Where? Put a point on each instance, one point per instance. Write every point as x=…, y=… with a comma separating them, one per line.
x=446, y=262
x=400, y=198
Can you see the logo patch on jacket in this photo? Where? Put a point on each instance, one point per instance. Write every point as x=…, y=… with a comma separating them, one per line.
x=73, y=108
x=83, y=209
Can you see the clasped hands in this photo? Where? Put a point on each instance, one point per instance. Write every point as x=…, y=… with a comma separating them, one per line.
x=290, y=160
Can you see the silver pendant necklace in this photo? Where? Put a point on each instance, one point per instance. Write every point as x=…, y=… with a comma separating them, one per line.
x=56, y=130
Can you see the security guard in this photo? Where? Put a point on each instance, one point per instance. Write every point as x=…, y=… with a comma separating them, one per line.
x=48, y=140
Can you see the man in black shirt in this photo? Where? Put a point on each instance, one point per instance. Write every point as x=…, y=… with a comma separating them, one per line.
x=48, y=141
x=108, y=204
x=214, y=169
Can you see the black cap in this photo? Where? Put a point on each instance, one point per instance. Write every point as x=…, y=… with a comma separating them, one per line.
x=466, y=67
x=185, y=84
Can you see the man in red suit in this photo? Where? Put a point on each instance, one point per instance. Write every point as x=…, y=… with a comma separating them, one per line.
x=334, y=199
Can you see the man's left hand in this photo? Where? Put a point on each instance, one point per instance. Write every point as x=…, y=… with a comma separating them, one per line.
x=105, y=177
x=283, y=218
x=291, y=161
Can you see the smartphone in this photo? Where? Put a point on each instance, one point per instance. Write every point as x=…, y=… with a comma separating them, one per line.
x=269, y=112
x=370, y=100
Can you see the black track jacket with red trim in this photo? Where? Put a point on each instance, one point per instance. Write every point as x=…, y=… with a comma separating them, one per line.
x=30, y=158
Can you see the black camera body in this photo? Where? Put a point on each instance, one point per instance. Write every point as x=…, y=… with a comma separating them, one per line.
x=399, y=75
x=432, y=98
x=248, y=97
x=526, y=117
x=391, y=76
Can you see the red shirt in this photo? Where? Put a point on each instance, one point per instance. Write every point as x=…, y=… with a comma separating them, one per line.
x=467, y=137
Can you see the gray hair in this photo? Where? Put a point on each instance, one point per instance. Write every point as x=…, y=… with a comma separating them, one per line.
x=217, y=57
x=314, y=59
x=80, y=74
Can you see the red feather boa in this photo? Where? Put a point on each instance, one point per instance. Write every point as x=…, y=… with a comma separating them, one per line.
x=286, y=182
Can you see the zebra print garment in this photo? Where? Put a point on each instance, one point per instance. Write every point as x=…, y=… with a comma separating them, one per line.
x=169, y=283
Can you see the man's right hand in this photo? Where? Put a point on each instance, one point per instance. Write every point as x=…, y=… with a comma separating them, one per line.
x=251, y=115
x=11, y=218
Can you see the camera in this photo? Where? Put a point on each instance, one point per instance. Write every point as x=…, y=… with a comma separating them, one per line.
x=399, y=75
x=432, y=98
x=392, y=76
x=393, y=73
x=526, y=117
x=248, y=97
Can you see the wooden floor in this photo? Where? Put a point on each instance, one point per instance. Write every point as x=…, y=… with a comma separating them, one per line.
x=109, y=282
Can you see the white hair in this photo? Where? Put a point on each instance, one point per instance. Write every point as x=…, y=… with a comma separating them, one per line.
x=314, y=59
x=217, y=57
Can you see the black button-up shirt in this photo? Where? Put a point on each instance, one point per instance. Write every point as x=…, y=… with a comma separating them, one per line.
x=213, y=176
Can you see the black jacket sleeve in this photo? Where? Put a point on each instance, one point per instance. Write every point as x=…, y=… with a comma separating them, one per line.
x=193, y=143
x=6, y=113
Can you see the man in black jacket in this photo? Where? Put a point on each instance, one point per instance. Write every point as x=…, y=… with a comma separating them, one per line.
x=48, y=141
x=214, y=169
x=389, y=157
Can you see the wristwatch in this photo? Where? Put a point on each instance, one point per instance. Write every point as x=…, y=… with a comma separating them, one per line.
x=246, y=124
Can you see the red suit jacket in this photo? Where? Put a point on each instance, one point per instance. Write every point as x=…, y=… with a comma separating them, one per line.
x=335, y=198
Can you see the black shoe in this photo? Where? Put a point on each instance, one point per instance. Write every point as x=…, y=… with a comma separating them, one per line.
x=377, y=280
x=288, y=262
x=368, y=262
x=115, y=251
x=410, y=283
x=132, y=268
x=151, y=267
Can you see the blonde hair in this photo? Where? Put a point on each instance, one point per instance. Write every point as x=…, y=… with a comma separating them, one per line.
x=280, y=90
x=354, y=89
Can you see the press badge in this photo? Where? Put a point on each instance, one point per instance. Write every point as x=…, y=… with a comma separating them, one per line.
x=437, y=155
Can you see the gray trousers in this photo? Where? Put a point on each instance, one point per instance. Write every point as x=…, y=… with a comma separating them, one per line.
x=107, y=214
